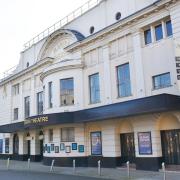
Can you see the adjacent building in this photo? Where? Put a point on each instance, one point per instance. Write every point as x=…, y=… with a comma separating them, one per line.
x=101, y=84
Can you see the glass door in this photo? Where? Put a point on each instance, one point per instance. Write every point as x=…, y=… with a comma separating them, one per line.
x=127, y=147
x=171, y=146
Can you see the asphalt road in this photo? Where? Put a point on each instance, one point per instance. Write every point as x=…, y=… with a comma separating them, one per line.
x=17, y=175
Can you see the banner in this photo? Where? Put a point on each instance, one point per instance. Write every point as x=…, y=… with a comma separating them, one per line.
x=96, y=143
x=145, y=144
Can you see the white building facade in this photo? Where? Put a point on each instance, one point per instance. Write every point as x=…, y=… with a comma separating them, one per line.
x=105, y=86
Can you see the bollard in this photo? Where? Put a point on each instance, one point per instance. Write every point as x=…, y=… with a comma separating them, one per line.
x=128, y=170
x=52, y=166
x=74, y=166
x=164, y=171
x=29, y=163
x=8, y=162
x=99, y=168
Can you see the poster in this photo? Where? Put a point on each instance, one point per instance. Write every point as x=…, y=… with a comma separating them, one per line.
x=96, y=143
x=1, y=146
x=81, y=148
x=145, y=144
x=74, y=146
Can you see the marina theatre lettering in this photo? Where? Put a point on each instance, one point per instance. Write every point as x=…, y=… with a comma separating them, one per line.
x=37, y=120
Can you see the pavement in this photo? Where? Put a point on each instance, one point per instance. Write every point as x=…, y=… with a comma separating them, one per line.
x=38, y=169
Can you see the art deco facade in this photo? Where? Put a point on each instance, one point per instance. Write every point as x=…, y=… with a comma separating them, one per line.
x=104, y=86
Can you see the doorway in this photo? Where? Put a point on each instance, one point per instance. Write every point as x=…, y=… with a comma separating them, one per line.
x=127, y=147
x=15, y=144
x=28, y=148
x=41, y=149
x=170, y=141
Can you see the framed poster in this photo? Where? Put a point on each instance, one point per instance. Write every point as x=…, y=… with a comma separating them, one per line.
x=1, y=146
x=62, y=147
x=81, y=148
x=96, y=143
x=68, y=149
x=56, y=149
x=145, y=143
x=74, y=146
x=52, y=147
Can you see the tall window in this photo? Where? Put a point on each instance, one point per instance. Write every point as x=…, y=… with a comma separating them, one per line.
x=159, y=32
x=147, y=36
x=161, y=81
x=16, y=114
x=50, y=95
x=67, y=91
x=67, y=135
x=169, y=28
x=15, y=89
x=40, y=103
x=94, y=88
x=50, y=135
x=7, y=145
x=123, y=80
x=27, y=107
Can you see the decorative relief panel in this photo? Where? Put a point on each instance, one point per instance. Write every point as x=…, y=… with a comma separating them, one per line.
x=55, y=48
x=120, y=46
x=27, y=85
x=93, y=57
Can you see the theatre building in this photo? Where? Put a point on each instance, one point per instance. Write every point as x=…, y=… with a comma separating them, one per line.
x=101, y=84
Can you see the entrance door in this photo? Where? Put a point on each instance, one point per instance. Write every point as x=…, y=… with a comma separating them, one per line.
x=41, y=149
x=127, y=147
x=171, y=146
x=15, y=144
x=29, y=148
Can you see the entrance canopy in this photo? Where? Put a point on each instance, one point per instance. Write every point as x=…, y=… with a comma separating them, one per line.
x=152, y=104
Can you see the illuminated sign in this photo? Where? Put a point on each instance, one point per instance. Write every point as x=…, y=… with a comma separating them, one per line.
x=37, y=120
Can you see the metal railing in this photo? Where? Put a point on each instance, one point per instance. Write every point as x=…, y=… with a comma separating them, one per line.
x=76, y=13
x=7, y=73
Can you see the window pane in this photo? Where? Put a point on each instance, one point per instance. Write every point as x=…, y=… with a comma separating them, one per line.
x=27, y=106
x=124, y=82
x=169, y=28
x=67, y=135
x=67, y=91
x=50, y=135
x=159, y=32
x=40, y=103
x=94, y=88
x=16, y=114
x=50, y=94
x=162, y=81
x=147, y=36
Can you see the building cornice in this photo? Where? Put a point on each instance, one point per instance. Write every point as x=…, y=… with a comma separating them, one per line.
x=43, y=62
x=61, y=66
x=133, y=18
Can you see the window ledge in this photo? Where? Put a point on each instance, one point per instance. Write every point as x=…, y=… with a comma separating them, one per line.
x=121, y=97
x=67, y=105
x=157, y=41
x=154, y=89
x=95, y=103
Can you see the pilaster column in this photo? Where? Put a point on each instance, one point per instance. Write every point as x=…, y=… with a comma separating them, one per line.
x=138, y=65
x=22, y=144
x=107, y=75
x=33, y=98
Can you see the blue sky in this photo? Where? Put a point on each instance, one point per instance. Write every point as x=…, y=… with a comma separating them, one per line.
x=21, y=20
